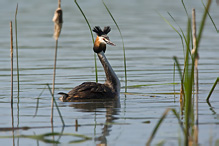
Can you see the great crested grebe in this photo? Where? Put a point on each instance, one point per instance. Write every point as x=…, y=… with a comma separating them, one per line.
x=92, y=90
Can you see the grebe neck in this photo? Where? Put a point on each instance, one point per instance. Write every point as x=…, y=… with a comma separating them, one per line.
x=111, y=78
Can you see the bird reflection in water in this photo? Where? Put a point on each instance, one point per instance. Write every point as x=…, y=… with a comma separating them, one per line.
x=112, y=107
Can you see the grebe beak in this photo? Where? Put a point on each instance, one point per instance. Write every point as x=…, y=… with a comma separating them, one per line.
x=109, y=42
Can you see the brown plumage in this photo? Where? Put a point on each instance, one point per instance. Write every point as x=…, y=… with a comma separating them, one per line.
x=91, y=90
x=88, y=90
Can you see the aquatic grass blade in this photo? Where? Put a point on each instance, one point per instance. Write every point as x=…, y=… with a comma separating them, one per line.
x=202, y=25
x=60, y=115
x=181, y=37
x=185, y=8
x=212, y=89
x=139, y=86
x=124, y=56
x=160, y=122
x=95, y=60
x=16, y=40
x=45, y=137
x=37, y=104
x=178, y=67
x=188, y=86
x=211, y=18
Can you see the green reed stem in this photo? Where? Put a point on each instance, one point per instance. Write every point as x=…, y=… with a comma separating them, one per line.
x=124, y=56
x=212, y=89
x=18, y=81
x=95, y=60
x=188, y=85
x=18, y=74
x=161, y=120
x=60, y=115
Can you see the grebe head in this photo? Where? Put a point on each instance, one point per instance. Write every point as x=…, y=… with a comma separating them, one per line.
x=102, y=39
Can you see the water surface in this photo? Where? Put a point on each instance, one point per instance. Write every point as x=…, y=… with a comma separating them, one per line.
x=150, y=45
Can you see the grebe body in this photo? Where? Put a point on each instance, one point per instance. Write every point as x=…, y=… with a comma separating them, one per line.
x=92, y=90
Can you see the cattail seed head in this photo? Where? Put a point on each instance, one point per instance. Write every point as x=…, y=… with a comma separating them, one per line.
x=58, y=20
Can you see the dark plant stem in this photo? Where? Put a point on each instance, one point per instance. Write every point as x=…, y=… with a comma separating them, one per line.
x=11, y=64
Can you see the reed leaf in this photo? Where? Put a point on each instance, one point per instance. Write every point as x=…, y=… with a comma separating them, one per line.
x=210, y=18
x=37, y=104
x=139, y=86
x=188, y=86
x=185, y=8
x=43, y=137
x=160, y=122
x=202, y=25
x=95, y=60
x=212, y=89
x=16, y=40
x=181, y=36
x=124, y=56
x=178, y=67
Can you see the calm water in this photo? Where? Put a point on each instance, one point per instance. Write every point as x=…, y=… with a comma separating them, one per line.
x=150, y=45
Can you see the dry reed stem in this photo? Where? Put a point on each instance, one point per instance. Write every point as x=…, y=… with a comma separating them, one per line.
x=53, y=83
x=11, y=54
x=59, y=3
x=58, y=20
x=196, y=74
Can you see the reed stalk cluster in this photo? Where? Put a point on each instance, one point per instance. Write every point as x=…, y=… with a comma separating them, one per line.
x=189, y=79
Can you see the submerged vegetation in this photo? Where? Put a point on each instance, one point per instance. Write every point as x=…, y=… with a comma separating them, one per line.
x=187, y=117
